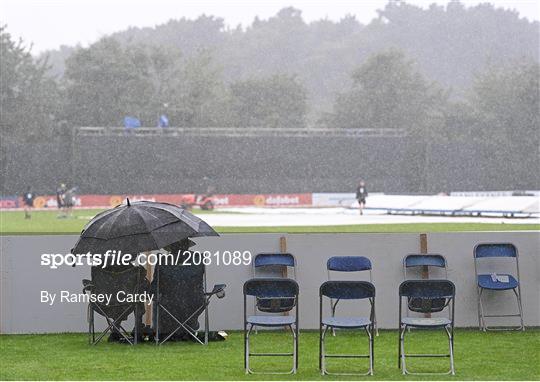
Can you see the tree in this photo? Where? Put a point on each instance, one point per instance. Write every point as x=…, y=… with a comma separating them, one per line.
x=108, y=81
x=29, y=99
x=105, y=82
x=505, y=102
x=276, y=101
x=388, y=92
x=199, y=97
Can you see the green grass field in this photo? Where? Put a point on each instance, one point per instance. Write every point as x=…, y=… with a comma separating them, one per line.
x=46, y=222
x=478, y=356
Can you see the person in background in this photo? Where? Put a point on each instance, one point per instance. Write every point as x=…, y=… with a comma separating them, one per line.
x=28, y=202
x=69, y=201
x=60, y=200
x=361, y=195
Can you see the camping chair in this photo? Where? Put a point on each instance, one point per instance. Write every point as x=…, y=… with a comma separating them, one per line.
x=429, y=292
x=272, y=263
x=349, y=264
x=419, y=261
x=346, y=290
x=111, y=281
x=183, y=323
x=273, y=290
x=497, y=281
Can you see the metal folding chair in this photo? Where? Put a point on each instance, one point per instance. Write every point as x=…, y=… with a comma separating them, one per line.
x=428, y=291
x=497, y=282
x=418, y=262
x=277, y=265
x=183, y=324
x=274, y=290
x=112, y=281
x=346, y=290
x=349, y=264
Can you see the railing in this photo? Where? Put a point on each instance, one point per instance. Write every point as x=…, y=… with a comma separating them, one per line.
x=238, y=132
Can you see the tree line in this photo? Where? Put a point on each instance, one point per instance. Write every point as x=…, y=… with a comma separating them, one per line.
x=444, y=72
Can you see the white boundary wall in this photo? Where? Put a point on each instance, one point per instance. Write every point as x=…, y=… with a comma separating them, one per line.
x=22, y=276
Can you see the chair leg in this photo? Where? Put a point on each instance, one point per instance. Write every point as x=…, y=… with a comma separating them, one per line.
x=320, y=347
x=482, y=316
x=481, y=310
x=247, y=331
x=402, y=350
x=323, y=351
x=157, y=322
x=206, y=325
x=399, y=347
x=295, y=349
x=91, y=329
x=370, y=340
x=451, y=348
x=138, y=322
x=372, y=349
x=478, y=308
x=518, y=296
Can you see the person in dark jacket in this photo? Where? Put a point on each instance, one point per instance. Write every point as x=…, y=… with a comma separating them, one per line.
x=60, y=200
x=28, y=202
x=361, y=195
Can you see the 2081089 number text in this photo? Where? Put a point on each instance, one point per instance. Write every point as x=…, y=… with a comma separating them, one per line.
x=217, y=258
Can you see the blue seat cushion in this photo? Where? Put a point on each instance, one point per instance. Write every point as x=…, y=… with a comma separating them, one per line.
x=485, y=281
x=346, y=322
x=426, y=322
x=271, y=320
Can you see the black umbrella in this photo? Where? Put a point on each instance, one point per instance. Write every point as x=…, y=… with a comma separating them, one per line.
x=139, y=226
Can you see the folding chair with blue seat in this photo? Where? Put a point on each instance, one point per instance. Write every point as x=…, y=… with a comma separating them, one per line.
x=419, y=261
x=271, y=263
x=349, y=264
x=497, y=282
x=273, y=290
x=346, y=290
x=429, y=292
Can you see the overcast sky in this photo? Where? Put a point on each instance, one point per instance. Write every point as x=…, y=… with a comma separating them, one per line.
x=51, y=23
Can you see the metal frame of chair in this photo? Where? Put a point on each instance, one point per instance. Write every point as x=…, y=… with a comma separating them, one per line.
x=346, y=290
x=428, y=291
x=89, y=286
x=274, y=289
x=349, y=264
x=486, y=282
x=218, y=290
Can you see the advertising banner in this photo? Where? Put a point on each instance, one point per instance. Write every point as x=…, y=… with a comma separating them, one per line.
x=219, y=200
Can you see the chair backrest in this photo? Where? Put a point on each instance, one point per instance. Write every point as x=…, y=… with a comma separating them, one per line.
x=347, y=290
x=348, y=264
x=428, y=294
x=273, y=295
x=268, y=259
x=495, y=250
x=414, y=260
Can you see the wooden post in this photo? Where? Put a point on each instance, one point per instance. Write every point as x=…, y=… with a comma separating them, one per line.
x=424, y=251
x=283, y=249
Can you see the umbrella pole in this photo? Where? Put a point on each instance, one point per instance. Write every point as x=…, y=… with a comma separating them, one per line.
x=148, y=307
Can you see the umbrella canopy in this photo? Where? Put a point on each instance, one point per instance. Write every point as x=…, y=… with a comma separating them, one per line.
x=139, y=226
